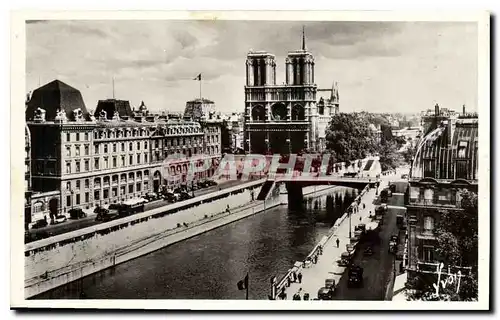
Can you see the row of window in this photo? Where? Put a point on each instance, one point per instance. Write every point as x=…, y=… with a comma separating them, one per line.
x=179, y=141
x=212, y=138
x=106, y=180
x=106, y=164
x=77, y=136
x=86, y=150
x=123, y=161
x=128, y=132
x=114, y=147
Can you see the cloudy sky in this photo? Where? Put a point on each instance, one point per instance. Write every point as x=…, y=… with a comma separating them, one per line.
x=380, y=67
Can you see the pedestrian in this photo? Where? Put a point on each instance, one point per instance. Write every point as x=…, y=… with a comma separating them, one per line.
x=338, y=242
x=300, y=277
x=359, y=219
x=364, y=206
x=288, y=282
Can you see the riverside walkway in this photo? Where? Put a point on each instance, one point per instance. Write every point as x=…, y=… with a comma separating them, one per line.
x=314, y=276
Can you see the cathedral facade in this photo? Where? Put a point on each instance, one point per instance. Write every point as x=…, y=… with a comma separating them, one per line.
x=290, y=117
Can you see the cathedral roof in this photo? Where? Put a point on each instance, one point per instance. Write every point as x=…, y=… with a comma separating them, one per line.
x=55, y=96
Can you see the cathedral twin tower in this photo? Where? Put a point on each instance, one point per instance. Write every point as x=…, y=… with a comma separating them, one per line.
x=285, y=118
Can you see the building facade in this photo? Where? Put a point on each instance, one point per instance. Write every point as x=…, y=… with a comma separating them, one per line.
x=284, y=118
x=446, y=162
x=27, y=175
x=83, y=160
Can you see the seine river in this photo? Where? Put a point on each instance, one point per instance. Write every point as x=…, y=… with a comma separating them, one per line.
x=209, y=266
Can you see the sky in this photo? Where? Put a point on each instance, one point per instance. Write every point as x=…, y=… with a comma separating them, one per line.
x=379, y=66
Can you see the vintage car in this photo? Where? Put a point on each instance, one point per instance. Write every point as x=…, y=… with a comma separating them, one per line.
x=345, y=259
x=77, y=213
x=357, y=235
x=39, y=224
x=393, y=244
x=330, y=283
x=360, y=227
x=325, y=294
x=60, y=219
x=151, y=196
x=355, y=276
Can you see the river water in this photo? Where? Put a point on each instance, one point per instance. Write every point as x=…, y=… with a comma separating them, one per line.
x=209, y=265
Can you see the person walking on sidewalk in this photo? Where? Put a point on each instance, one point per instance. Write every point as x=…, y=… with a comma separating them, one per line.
x=338, y=242
x=300, y=277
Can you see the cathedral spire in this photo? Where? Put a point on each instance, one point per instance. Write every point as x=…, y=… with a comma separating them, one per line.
x=303, y=39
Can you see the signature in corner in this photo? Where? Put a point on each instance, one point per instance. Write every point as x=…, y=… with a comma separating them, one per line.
x=451, y=278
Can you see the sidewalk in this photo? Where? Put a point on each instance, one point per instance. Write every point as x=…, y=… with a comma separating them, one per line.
x=313, y=277
x=399, y=288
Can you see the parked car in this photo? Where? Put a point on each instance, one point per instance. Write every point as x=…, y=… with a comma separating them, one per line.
x=60, y=219
x=360, y=227
x=171, y=196
x=39, y=224
x=404, y=176
x=107, y=215
x=151, y=196
x=77, y=213
x=393, y=244
x=325, y=293
x=212, y=183
x=355, y=276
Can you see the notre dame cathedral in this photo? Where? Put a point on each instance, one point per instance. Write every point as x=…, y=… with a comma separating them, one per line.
x=287, y=118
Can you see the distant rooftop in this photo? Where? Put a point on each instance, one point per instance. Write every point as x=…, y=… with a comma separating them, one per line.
x=202, y=100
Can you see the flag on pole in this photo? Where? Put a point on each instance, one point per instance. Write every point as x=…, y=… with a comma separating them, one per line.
x=243, y=284
x=198, y=77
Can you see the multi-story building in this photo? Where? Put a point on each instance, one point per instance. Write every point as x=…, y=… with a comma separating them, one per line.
x=445, y=163
x=199, y=109
x=27, y=175
x=82, y=160
x=234, y=127
x=284, y=118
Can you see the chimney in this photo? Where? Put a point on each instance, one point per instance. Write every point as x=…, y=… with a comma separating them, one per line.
x=436, y=110
x=463, y=109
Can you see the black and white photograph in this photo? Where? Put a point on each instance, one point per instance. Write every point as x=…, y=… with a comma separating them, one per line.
x=309, y=161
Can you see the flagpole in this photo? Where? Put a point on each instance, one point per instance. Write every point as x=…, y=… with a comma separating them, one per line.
x=200, y=88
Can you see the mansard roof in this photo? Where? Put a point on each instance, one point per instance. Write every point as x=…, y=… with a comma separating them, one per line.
x=55, y=96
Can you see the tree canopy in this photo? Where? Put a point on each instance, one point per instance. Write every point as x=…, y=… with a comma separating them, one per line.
x=350, y=137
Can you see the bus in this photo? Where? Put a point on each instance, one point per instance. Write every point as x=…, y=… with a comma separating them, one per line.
x=132, y=206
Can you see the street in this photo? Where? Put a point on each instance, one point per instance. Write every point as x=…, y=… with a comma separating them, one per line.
x=379, y=266
x=71, y=225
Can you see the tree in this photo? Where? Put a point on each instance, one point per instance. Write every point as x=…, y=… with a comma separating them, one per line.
x=456, y=245
x=389, y=157
x=409, y=153
x=349, y=137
